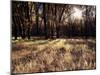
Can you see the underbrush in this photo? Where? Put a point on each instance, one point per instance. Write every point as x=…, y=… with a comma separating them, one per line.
x=53, y=55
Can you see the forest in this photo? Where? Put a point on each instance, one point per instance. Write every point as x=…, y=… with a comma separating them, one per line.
x=52, y=37
x=31, y=19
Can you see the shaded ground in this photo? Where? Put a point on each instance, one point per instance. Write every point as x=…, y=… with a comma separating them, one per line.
x=39, y=55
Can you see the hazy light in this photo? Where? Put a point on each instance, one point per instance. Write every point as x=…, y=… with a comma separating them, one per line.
x=77, y=13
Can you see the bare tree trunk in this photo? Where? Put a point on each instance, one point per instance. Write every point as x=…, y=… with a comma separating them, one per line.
x=44, y=16
x=15, y=27
x=37, y=18
x=86, y=34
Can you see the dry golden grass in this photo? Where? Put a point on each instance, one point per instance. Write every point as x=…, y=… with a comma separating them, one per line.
x=53, y=55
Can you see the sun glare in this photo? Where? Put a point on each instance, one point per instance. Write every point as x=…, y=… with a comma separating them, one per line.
x=77, y=13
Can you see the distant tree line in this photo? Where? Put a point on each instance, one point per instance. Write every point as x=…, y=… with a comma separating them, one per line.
x=31, y=19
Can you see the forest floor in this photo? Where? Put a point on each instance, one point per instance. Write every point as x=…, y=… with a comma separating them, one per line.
x=39, y=55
